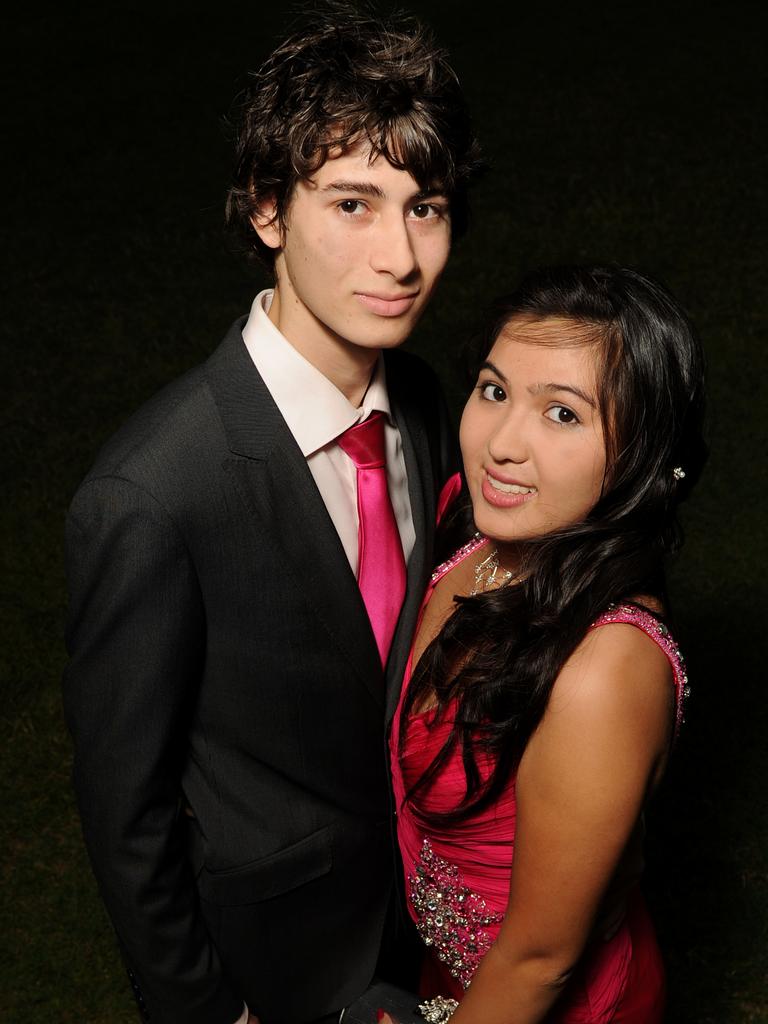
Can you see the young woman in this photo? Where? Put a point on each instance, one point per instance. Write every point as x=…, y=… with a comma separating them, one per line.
x=544, y=688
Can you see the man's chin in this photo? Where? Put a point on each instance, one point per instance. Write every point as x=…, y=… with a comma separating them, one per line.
x=381, y=341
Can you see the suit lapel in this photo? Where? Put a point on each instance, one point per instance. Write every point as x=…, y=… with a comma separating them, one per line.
x=421, y=491
x=272, y=475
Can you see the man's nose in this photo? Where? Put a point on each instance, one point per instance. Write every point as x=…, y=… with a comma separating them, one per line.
x=393, y=252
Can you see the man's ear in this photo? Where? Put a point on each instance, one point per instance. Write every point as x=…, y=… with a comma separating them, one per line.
x=266, y=223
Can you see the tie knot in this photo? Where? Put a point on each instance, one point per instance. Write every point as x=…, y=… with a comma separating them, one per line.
x=364, y=443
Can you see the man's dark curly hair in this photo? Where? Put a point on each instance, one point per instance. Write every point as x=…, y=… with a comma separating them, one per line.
x=345, y=77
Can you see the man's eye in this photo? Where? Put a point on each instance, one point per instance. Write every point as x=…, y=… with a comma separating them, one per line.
x=424, y=211
x=562, y=414
x=351, y=206
x=492, y=392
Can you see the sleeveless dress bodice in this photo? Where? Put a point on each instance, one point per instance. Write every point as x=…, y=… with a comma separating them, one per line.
x=457, y=876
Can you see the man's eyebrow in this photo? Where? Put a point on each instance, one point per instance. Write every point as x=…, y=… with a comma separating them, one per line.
x=361, y=188
x=367, y=188
x=537, y=389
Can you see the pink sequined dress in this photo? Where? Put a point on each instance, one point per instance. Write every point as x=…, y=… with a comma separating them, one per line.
x=457, y=876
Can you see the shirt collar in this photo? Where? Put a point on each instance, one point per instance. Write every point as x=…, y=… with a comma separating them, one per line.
x=314, y=409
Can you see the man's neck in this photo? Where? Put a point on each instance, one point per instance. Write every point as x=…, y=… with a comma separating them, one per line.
x=347, y=366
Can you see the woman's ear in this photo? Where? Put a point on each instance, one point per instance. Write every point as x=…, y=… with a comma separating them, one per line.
x=266, y=223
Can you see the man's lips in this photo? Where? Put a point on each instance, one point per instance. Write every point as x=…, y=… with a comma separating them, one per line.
x=506, y=493
x=385, y=305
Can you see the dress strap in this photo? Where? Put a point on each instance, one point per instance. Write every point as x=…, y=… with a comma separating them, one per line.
x=632, y=615
x=458, y=556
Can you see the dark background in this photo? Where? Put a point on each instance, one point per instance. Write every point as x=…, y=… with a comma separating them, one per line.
x=623, y=131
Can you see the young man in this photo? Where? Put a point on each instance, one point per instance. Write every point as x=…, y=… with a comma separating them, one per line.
x=247, y=556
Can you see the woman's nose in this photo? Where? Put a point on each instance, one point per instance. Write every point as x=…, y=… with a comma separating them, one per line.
x=509, y=442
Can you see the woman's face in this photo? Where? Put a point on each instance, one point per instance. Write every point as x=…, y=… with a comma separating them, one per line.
x=532, y=436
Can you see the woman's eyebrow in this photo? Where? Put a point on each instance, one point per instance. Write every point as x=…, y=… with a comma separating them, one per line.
x=487, y=365
x=548, y=387
x=537, y=389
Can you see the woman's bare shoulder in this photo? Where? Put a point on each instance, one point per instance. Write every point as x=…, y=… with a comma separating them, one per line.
x=618, y=679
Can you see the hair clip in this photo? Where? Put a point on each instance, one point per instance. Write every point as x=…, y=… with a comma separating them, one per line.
x=678, y=473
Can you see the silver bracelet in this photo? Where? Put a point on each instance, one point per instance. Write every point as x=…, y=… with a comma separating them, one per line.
x=437, y=1010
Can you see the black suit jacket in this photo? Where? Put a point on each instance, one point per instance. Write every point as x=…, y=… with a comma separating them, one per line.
x=222, y=660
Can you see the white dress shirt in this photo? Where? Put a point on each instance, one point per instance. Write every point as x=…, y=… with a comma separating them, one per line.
x=316, y=413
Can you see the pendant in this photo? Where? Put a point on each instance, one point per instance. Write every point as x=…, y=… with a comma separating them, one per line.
x=489, y=575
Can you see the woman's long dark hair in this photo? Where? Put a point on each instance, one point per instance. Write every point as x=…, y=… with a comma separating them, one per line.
x=500, y=652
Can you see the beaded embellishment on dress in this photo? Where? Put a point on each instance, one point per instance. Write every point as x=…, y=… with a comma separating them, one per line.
x=630, y=614
x=449, y=916
x=460, y=555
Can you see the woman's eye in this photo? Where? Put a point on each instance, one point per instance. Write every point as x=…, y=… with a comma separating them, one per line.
x=492, y=392
x=562, y=414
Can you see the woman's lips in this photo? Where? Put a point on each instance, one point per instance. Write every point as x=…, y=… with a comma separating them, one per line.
x=505, y=495
x=382, y=306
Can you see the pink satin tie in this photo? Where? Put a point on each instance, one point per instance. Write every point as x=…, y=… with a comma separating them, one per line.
x=381, y=566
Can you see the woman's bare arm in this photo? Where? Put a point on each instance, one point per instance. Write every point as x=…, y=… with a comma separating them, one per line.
x=581, y=786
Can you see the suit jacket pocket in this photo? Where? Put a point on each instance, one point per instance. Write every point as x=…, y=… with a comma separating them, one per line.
x=278, y=873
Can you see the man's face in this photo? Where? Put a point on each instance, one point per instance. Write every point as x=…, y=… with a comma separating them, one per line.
x=360, y=253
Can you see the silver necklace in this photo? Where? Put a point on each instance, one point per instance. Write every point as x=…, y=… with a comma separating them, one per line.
x=489, y=575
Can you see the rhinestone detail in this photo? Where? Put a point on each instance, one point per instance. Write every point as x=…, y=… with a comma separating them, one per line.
x=459, y=556
x=438, y=1010
x=450, y=917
